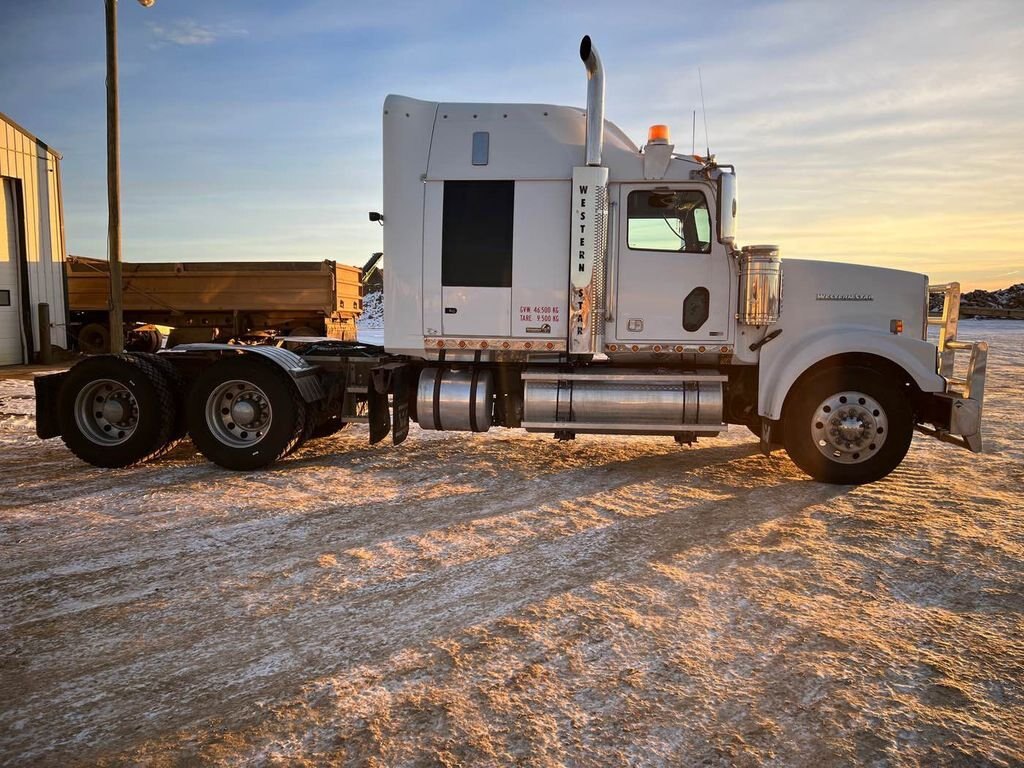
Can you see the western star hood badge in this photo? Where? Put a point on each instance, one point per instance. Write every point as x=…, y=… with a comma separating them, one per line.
x=844, y=297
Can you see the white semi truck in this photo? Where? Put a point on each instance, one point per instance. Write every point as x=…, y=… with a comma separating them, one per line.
x=545, y=273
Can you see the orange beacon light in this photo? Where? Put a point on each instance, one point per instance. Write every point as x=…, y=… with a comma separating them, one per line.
x=657, y=134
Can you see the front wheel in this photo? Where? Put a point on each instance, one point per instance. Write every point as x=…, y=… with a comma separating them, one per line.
x=245, y=413
x=848, y=425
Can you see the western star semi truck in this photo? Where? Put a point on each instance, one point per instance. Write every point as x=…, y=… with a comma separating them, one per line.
x=547, y=274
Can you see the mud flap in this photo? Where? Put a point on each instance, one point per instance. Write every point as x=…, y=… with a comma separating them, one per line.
x=766, y=437
x=393, y=378
x=380, y=415
x=47, y=391
x=400, y=388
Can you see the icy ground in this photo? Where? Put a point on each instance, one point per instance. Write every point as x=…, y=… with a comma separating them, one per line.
x=507, y=599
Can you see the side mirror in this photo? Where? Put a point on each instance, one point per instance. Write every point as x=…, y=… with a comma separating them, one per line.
x=378, y=217
x=727, y=204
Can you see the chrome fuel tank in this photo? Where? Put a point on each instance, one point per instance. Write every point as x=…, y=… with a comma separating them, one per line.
x=626, y=402
x=455, y=400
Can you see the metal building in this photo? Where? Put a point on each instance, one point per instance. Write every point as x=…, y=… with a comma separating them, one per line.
x=32, y=250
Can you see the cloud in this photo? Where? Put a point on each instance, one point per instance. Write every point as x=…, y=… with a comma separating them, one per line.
x=887, y=136
x=189, y=32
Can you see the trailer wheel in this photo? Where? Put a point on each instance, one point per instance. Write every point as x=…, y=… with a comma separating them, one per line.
x=116, y=410
x=245, y=413
x=848, y=425
x=94, y=339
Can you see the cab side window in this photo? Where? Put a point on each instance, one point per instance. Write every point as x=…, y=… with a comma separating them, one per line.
x=668, y=220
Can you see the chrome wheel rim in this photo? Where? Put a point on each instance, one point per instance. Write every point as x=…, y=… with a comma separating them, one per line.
x=106, y=412
x=238, y=413
x=849, y=427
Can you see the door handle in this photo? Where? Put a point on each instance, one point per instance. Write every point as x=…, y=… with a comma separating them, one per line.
x=451, y=310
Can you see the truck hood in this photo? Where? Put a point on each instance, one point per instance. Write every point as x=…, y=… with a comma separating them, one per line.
x=829, y=293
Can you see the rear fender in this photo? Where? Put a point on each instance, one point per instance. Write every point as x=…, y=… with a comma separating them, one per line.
x=305, y=376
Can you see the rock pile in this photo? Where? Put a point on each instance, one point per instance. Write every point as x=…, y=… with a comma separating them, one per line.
x=1005, y=298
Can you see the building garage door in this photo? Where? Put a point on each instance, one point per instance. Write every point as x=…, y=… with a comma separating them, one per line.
x=11, y=337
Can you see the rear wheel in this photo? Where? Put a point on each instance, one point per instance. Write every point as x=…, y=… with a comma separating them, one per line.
x=245, y=413
x=178, y=388
x=116, y=410
x=327, y=428
x=848, y=425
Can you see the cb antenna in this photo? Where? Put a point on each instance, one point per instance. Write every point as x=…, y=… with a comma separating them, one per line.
x=707, y=141
x=693, y=134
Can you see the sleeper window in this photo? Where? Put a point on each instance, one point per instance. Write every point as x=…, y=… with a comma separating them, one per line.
x=668, y=220
x=476, y=233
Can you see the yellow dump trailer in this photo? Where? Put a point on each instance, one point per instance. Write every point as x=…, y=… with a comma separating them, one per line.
x=206, y=301
x=348, y=283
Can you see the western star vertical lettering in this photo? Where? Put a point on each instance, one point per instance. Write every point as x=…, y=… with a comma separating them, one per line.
x=581, y=265
x=587, y=249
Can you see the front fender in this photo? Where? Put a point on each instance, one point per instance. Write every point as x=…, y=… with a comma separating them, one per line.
x=783, y=361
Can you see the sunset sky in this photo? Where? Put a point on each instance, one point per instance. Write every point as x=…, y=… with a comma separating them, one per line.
x=888, y=133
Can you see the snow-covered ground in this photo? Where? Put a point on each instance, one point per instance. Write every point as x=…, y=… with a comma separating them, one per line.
x=507, y=599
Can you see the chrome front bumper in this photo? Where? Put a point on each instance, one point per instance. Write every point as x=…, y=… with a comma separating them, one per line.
x=956, y=413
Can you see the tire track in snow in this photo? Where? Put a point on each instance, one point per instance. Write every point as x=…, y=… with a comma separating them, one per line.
x=186, y=678
x=231, y=543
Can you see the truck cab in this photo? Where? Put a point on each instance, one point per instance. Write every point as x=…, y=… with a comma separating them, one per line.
x=477, y=209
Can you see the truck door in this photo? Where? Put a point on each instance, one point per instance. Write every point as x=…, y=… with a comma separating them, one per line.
x=672, y=281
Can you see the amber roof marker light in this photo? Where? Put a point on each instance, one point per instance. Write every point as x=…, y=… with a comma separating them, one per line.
x=658, y=134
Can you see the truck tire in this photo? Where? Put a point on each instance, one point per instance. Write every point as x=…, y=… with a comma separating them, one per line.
x=848, y=425
x=308, y=427
x=93, y=339
x=245, y=413
x=327, y=428
x=178, y=387
x=116, y=410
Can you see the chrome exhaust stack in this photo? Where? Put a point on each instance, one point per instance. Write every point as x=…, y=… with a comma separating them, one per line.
x=595, y=100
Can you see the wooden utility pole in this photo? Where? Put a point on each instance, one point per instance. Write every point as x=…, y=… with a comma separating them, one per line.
x=114, y=185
